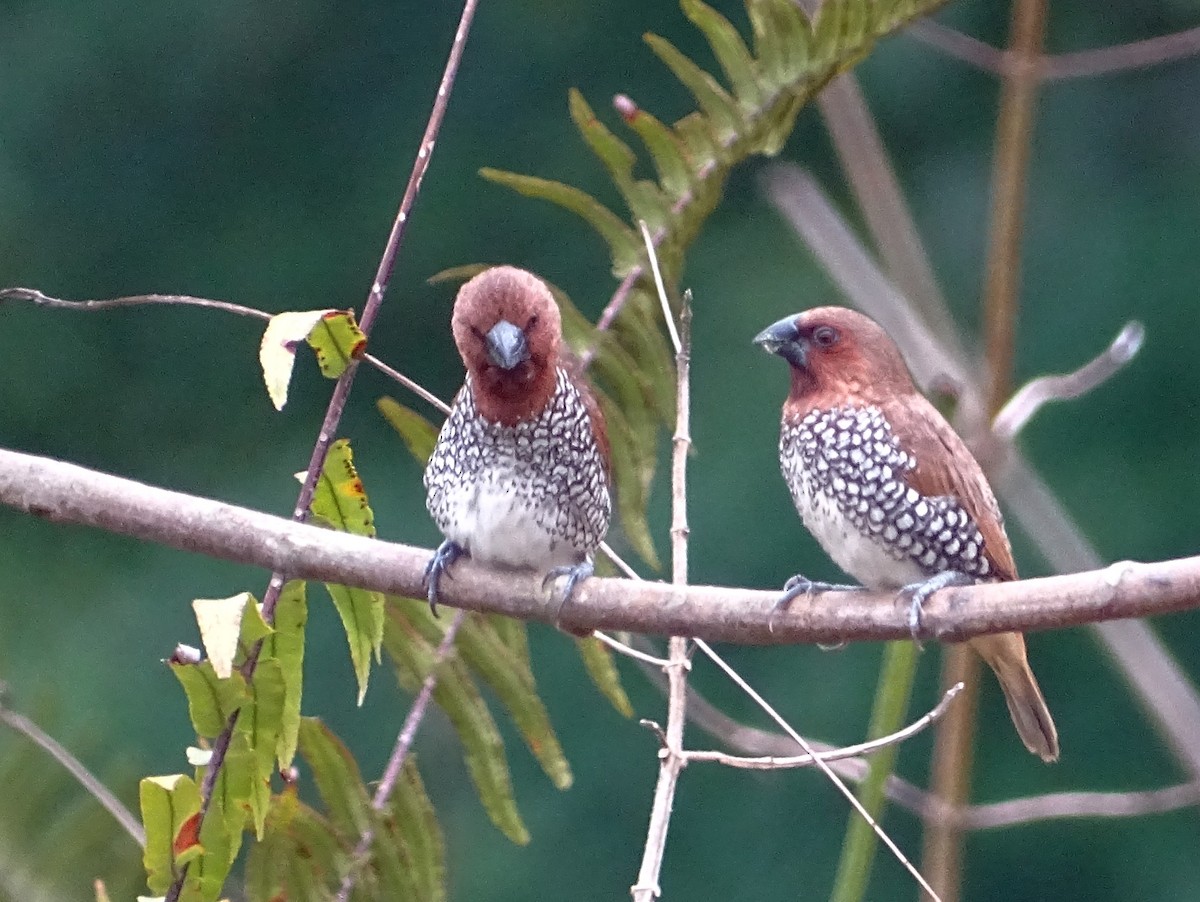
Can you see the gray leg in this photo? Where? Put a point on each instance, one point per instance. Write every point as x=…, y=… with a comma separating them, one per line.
x=918, y=593
x=801, y=585
x=575, y=574
x=447, y=553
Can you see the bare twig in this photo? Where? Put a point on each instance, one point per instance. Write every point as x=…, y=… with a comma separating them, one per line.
x=48, y=744
x=182, y=300
x=341, y=389
x=1030, y=398
x=672, y=762
x=850, y=751
x=1062, y=66
x=825, y=768
x=404, y=741
x=1060, y=805
x=630, y=652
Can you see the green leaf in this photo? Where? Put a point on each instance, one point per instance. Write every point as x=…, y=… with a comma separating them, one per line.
x=719, y=108
x=623, y=242
x=298, y=858
x=171, y=815
x=414, y=822
x=361, y=612
x=631, y=486
x=418, y=433
x=666, y=150
x=457, y=695
x=598, y=661
x=211, y=700
x=286, y=646
x=337, y=778
x=730, y=51
x=644, y=199
x=260, y=722
x=340, y=500
x=337, y=340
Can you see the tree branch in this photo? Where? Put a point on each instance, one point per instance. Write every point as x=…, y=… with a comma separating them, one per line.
x=68, y=493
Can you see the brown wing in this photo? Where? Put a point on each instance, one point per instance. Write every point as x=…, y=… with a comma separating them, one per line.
x=595, y=414
x=946, y=467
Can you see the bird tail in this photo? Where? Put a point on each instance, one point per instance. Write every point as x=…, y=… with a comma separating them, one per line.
x=1005, y=654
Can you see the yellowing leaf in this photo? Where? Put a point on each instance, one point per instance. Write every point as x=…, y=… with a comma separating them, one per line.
x=277, y=352
x=340, y=500
x=220, y=622
x=337, y=340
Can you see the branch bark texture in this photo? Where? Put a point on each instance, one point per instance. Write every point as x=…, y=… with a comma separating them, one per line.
x=68, y=493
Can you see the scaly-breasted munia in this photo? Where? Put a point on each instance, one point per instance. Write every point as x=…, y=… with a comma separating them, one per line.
x=888, y=488
x=520, y=473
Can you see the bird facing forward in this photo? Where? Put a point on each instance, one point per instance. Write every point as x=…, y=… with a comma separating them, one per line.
x=520, y=473
x=888, y=488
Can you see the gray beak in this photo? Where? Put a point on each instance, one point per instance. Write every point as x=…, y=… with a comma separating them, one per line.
x=506, y=345
x=783, y=338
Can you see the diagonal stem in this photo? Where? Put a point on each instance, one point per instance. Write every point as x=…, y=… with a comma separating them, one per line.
x=341, y=392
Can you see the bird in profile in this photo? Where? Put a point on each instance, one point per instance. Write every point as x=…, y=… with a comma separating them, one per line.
x=888, y=488
x=520, y=474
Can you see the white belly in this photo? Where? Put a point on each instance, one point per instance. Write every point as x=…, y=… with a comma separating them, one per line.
x=863, y=558
x=492, y=519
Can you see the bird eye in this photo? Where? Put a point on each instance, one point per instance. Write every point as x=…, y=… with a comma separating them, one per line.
x=825, y=336
x=533, y=321
x=478, y=333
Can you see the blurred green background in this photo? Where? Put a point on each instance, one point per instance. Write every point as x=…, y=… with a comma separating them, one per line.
x=255, y=152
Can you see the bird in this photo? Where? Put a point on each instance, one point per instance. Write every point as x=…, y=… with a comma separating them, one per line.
x=889, y=490
x=520, y=474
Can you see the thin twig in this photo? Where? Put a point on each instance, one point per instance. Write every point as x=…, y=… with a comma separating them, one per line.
x=404, y=741
x=630, y=652
x=47, y=743
x=183, y=300
x=771, y=762
x=1030, y=398
x=825, y=768
x=671, y=763
x=341, y=390
x=1060, y=805
x=1061, y=66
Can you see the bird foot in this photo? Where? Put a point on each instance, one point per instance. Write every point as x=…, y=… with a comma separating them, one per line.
x=801, y=585
x=918, y=593
x=575, y=574
x=447, y=553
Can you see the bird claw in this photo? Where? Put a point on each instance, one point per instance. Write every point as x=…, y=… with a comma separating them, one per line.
x=447, y=553
x=575, y=574
x=918, y=594
x=801, y=585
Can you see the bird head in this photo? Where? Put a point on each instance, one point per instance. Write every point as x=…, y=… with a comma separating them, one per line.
x=508, y=332
x=836, y=350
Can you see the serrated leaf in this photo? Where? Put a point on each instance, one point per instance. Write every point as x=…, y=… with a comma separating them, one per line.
x=260, y=722
x=277, y=351
x=340, y=500
x=337, y=340
x=171, y=814
x=600, y=666
x=361, y=612
x=418, y=433
x=730, y=51
x=643, y=198
x=624, y=244
x=298, y=857
x=211, y=700
x=337, y=778
x=721, y=109
x=457, y=695
x=414, y=820
x=666, y=151
x=286, y=646
x=510, y=675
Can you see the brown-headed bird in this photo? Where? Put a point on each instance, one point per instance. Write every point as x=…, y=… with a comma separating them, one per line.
x=520, y=473
x=888, y=488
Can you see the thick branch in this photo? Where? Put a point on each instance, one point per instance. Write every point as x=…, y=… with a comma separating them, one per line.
x=68, y=493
